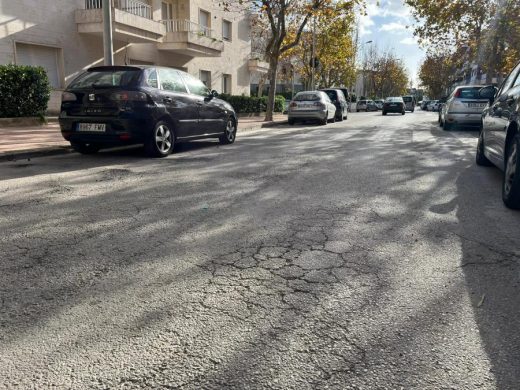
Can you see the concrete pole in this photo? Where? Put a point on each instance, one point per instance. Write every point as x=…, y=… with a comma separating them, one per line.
x=313, y=52
x=108, y=44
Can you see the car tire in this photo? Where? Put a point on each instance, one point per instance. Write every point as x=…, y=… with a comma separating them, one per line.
x=384, y=112
x=446, y=126
x=333, y=119
x=340, y=117
x=85, y=148
x=291, y=121
x=161, y=141
x=357, y=110
x=511, y=178
x=325, y=120
x=480, y=157
x=230, y=133
x=404, y=112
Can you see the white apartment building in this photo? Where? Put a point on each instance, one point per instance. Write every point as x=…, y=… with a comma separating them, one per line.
x=66, y=37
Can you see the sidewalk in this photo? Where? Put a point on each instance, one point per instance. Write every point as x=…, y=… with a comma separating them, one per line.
x=47, y=139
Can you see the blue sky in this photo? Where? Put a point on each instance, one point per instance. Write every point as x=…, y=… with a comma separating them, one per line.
x=385, y=25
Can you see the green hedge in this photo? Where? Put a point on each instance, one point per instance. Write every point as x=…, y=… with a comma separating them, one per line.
x=249, y=104
x=24, y=91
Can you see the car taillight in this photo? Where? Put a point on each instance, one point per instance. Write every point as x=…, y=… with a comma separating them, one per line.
x=68, y=97
x=293, y=104
x=127, y=96
x=457, y=94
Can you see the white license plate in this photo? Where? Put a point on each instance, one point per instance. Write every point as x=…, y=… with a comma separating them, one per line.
x=304, y=107
x=477, y=105
x=92, y=127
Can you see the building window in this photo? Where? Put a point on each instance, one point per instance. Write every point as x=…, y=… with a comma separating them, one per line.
x=205, y=77
x=44, y=56
x=226, y=83
x=205, y=22
x=226, y=30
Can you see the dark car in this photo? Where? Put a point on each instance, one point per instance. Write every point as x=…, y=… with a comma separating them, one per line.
x=394, y=104
x=337, y=97
x=424, y=104
x=120, y=105
x=499, y=139
x=347, y=95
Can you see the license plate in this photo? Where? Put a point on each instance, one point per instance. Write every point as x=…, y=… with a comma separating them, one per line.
x=477, y=105
x=304, y=107
x=92, y=127
x=393, y=105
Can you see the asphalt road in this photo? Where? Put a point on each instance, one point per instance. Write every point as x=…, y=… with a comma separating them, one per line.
x=367, y=254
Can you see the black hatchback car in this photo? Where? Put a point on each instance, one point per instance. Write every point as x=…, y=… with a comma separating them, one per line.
x=120, y=105
x=337, y=98
x=499, y=139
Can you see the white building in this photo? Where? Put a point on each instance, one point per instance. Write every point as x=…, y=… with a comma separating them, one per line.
x=66, y=37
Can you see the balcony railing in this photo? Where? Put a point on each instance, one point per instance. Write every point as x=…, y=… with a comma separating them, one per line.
x=183, y=25
x=134, y=7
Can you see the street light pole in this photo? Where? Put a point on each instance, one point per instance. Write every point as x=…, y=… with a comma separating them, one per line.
x=108, y=45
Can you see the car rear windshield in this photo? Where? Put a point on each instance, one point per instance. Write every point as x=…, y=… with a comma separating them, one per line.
x=407, y=99
x=307, y=97
x=468, y=93
x=331, y=94
x=394, y=99
x=362, y=102
x=106, y=78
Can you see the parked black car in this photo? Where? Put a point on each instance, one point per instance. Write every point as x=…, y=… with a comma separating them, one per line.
x=155, y=106
x=499, y=139
x=394, y=104
x=337, y=97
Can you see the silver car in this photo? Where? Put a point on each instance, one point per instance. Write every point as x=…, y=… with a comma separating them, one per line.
x=311, y=105
x=463, y=107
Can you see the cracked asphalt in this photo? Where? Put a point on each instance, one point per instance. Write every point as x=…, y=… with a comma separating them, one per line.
x=366, y=254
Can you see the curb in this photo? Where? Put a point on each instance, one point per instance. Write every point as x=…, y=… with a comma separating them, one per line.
x=261, y=126
x=31, y=153
x=58, y=150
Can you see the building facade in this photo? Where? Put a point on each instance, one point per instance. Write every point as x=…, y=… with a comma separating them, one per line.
x=66, y=38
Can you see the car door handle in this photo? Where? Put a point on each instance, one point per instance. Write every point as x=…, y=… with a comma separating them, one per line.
x=167, y=100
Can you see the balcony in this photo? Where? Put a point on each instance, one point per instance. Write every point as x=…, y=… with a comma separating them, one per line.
x=132, y=21
x=257, y=64
x=191, y=39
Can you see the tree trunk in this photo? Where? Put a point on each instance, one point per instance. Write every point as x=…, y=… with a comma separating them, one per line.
x=273, y=67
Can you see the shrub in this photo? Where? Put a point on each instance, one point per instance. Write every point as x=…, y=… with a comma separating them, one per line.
x=24, y=91
x=251, y=104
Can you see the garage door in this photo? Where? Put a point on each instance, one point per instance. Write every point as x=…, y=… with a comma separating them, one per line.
x=37, y=55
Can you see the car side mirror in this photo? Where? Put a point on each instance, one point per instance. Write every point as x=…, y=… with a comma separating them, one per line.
x=214, y=94
x=488, y=92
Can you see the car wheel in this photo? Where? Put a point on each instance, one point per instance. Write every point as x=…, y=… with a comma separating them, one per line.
x=231, y=133
x=481, y=158
x=161, y=141
x=384, y=112
x=511, y=182
x=340, y=117
x=85, y=148
x=333, y=119
x=291, y=121
x=325, y=120
x=402, y=113
x=446, y=126
x=357, y=110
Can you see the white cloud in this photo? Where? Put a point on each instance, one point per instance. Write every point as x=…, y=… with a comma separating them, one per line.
x=397, y=27
x=408, y=41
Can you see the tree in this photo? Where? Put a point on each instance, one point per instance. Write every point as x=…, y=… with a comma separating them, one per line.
x=286, y=21
x=431, y=68
x=334, y=49
x=384, y=73
x=488, y=30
